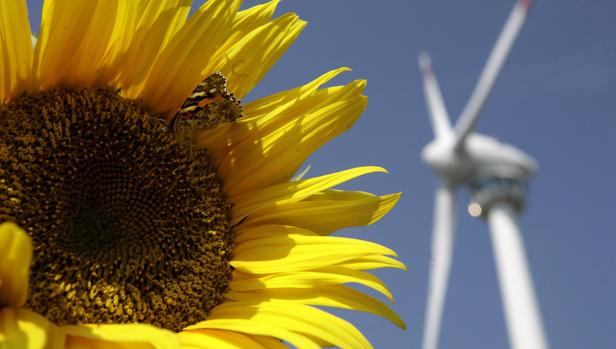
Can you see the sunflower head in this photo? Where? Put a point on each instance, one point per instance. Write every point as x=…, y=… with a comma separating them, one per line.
x=128, y=220
x=158, y=209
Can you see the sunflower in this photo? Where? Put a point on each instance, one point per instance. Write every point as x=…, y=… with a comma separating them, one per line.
x=143, y=204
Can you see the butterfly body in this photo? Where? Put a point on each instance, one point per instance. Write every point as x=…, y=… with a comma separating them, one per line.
x=209, y=105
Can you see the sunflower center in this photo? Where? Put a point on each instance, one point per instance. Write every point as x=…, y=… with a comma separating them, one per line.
x=128, y=225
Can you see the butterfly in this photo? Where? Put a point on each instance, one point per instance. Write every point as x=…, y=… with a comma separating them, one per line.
x=209, y=105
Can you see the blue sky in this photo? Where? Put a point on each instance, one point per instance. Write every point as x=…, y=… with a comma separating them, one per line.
x=555, y=100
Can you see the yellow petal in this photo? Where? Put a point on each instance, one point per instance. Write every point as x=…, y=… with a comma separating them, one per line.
x=15, y=48
x=364, y=262
x=243, y=234
x=262, y=114
x=249, y=326
x=247, y=61
x=307, y=279
x=266, y=110
x=294, y=243
x=290, y=192
x=279, y=254
x=331, y=296
x=24, y=329
x=15, y=257
x=270, y=342
x=327, y=211
x=159, y=21
x=373, y=262
x=217, y=339
x=73, y=40
x=120, y=336
x=129, y=13
x=273, y=155
x=133, y=31
x=245, y=22
x=86, y=64
x=181, y=64
x=298, y=318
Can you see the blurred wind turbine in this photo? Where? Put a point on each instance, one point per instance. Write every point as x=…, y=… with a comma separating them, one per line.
x=496, y=173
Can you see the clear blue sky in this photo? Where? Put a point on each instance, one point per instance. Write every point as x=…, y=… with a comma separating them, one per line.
x=555, y=100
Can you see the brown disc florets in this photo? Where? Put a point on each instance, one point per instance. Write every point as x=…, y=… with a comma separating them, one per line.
x=127, y=224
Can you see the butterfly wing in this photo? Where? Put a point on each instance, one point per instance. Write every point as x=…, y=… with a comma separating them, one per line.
x=209, y=104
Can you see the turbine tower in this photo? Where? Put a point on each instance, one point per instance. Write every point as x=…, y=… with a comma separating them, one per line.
x=496, y=174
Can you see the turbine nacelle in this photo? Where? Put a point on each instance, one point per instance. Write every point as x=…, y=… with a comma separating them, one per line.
x=480, y=155
x=451, y=165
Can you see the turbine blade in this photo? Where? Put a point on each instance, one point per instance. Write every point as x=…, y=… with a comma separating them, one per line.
x=434, y=99
x=442, y=253
x=491, y=70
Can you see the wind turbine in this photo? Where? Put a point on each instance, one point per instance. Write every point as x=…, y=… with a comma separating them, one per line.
x=496, y=173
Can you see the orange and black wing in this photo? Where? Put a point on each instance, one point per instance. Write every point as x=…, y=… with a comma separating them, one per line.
x=208, y=105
